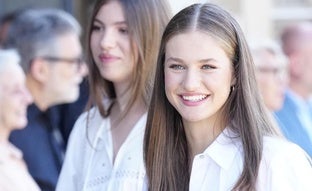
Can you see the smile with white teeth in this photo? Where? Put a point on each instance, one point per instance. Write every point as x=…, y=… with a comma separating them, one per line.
x=194, y=98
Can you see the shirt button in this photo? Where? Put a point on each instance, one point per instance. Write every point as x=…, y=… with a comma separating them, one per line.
x=201, y=156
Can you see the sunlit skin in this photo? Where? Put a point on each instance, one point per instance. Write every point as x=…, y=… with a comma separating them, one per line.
x=198, y=79
x=111, y=46
x=14, y=99
x=271, y=76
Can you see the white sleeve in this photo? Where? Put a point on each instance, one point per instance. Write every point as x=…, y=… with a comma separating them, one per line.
x=71, y=176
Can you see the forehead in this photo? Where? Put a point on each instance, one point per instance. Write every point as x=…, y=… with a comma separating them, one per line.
x=194, y=45
x=111, y=12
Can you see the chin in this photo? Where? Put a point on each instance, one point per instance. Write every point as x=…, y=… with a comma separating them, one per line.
x=192, y=118
x=275, y=107
x=71, y=97
x=21, y=125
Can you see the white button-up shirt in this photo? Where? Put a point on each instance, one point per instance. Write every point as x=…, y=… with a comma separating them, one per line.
x=284, y=166
x=88, y=164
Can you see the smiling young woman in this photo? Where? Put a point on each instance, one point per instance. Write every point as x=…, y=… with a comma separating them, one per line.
x=207, y=128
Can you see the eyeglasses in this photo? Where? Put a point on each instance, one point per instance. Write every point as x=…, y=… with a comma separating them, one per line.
x=78, y=61
x=273, y=71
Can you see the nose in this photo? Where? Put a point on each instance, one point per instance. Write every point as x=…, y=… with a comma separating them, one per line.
x=108, y=40
x=192, y=80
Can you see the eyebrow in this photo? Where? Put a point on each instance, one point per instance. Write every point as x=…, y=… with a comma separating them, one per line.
x=174, y=59
x=115, y=23
x=202, y=61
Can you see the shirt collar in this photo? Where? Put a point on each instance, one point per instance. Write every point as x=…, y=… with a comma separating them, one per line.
x=298, y=101
x=105, y=126
x=224, y=149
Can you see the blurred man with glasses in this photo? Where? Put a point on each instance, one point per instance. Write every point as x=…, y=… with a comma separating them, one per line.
x=295, y=117
x=51, y=56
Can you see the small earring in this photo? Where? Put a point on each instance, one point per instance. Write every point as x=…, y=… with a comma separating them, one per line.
x=232, y=88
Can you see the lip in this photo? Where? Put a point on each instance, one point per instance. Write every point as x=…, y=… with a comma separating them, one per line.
x=193, y=99
x=107, y=58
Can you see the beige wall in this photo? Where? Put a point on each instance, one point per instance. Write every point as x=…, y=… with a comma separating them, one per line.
x=177, y=5
x=258, y=18
x=243, y=10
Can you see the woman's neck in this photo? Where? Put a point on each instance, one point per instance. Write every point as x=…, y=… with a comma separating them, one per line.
x=200, y=135
x=122, y=123
x=123, y=95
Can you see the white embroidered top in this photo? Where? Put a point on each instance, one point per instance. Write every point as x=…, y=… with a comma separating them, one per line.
x=88, y=162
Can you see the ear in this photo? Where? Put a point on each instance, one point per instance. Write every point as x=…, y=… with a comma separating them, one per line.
x=39, y=70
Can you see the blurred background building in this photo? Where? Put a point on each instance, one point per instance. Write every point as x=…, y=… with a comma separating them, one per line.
x=259, y=19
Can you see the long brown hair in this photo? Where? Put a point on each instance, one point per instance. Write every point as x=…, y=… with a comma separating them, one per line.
x=166, y=151
x=146, y=20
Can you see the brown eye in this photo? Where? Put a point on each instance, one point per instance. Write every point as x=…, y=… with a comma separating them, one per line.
x=123, y=31
x=96, y=28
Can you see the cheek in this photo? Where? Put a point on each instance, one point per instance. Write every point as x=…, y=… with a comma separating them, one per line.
x=5, y=103
x=262, y=83
x=171, y=85
x=171, y=82
x=9, y=106
x=65, y=74
x=221, y=87
x=55, y=82
x=220, y=79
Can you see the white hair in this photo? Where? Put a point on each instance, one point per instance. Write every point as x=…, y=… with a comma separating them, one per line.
x=267, y=45
x=8, y=56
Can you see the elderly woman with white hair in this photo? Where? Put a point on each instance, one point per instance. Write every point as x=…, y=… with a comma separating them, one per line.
x=14, y=99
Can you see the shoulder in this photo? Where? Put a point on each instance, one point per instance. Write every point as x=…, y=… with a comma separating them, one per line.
x=276, y=148
x=284, y=166
x=88, y=121
x=91, y=116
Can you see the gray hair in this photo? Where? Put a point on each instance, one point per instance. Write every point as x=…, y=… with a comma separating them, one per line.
x=8, y=56
x=267, y=45
x=34, y=32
